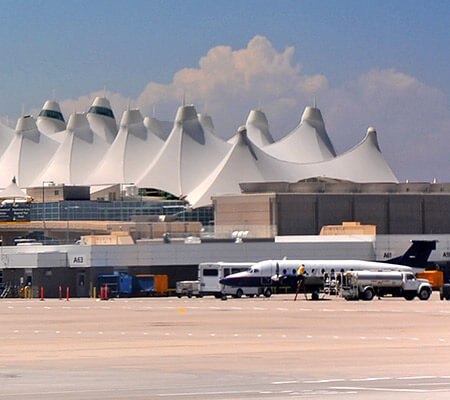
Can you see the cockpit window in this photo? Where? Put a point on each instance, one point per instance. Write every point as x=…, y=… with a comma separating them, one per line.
x=101, y=111
x=51, y=114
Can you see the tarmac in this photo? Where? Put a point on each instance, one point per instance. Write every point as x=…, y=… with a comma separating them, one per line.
x=260, y=348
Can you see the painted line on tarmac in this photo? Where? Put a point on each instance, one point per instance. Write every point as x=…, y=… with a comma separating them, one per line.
x=326, y=380
x=377, y=389
x=284, y=382
x=417, y=377
x=386, y=378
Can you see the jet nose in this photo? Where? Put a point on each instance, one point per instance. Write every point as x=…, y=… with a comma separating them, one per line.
x=225, y=281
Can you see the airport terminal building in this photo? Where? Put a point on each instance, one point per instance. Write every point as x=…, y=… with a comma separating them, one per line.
x=174, y=195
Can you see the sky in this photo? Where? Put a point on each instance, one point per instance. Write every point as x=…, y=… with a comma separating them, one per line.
x=367, y=63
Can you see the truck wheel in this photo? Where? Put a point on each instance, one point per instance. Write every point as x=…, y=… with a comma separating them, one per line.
x=424, y=294
x=315, y=296
x=368, y=294
x=409, y=296
x=268, y=292
x=189, y=295
x=239, y=293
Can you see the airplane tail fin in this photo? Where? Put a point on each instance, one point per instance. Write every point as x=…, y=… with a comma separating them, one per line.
x=417, y=254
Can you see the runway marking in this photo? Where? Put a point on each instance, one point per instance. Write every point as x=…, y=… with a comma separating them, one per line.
x=16, y=331
x=416, y=377
x=212, y=334
x=309, y=337
x=122, y=333
x=79, y=333
x=283, y=336
x=370, y=379
x=442, y=340
x=57, y=332
x=326, y=380
x=179, y=394
x=100, y=333
x=36, y=331
x=259, y=335
x=388, y=338
x=377, y=389
x=335, y=337
x=145, y=333
x=284, y=382
x=362, y=337
x=189, y=334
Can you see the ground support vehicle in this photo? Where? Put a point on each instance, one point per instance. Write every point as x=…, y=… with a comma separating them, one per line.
x=124, y=285
x=188, y=288
x=445, y=291
x=365, y=285
x=210, y=274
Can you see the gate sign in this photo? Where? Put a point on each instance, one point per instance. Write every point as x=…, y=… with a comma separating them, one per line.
x=19, y=212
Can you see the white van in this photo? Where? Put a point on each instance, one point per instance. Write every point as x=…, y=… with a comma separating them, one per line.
x=210, y=274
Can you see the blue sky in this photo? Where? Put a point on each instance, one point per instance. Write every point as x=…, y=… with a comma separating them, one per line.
x=79, y=47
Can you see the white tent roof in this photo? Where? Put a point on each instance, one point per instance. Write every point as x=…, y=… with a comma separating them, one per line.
x=27, y=154
x=50, y=119
x=258, y=128
x=245, y=162
x=188, y=155
x=133, y=149
x=12, y=191
x=6, y=136
x=154, y=127
x=77, y=156
x=308, y=142
x=101, y=119
x=363, y=163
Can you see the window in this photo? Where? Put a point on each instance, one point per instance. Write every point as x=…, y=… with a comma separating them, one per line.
x=210, y=272
x=101, y=111
x=51, y=114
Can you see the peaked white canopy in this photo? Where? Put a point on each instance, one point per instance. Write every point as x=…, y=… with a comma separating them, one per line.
x=27, y=154
x=131, y=152
x=12, y=191
x=101, y=119
x=50, y=119
x=188, y=155
x=258, y=128
x=362, y=163
x=76, y=157
x=245, y=162
x=154, y=127
x=6, y=136
x=308, y=142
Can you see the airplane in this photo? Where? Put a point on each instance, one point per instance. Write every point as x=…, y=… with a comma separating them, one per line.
x=310, y=274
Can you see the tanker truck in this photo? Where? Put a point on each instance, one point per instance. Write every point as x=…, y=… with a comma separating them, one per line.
x=365, y=285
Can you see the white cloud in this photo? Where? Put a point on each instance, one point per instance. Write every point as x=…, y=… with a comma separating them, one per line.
x=412, y=119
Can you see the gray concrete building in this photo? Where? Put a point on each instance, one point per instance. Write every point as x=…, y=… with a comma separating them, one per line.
x=269, y=209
